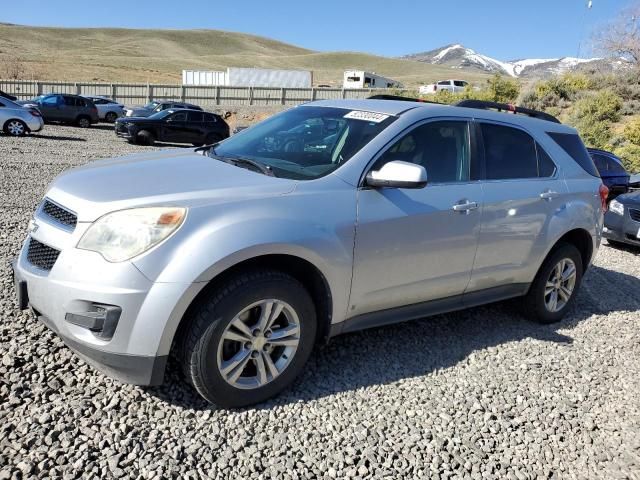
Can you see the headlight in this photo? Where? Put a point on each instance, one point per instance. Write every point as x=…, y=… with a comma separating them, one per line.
x=616, y=207
x=122, y=235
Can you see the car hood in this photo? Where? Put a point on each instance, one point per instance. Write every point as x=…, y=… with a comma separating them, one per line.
x=132, y=119
x=170, y=177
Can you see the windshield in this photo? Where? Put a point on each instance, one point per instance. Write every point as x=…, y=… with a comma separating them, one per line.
x=305, y=142
x=151, y=105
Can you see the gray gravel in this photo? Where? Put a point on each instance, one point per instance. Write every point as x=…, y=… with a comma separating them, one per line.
x=475, y=394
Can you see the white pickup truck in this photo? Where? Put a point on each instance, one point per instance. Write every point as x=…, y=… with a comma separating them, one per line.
x=454, y=86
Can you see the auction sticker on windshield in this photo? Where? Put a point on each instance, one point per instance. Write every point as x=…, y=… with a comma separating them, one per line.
x=367, y=116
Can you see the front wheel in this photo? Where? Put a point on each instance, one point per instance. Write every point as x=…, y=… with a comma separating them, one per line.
x=556, y=285
x=250, y=339
x=15, y=128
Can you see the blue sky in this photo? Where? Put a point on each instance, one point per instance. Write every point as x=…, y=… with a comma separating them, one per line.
x=505, y=29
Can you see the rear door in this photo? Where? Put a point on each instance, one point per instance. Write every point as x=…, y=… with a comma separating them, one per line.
x=71, y=108
x=522, y=191
x=412, y=246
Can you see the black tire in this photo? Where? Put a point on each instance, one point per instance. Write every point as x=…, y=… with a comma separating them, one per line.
x=83, y=121
x=207, y=323
x=534, y=305
x=145, y=137
x=15, y=127
x=111, y=117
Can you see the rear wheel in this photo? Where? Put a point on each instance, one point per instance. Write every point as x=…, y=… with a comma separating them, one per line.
x=250, y=339
x=556, y=285
x=15, y=128
x=83, y=121
x=145, y=137
x=111, y=117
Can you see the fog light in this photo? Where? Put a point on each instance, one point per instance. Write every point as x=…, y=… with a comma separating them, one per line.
x=101, y=319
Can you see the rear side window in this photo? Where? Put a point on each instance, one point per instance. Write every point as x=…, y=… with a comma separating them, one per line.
x=210, y=117
x=509, y=153
x=459, y=83
x=600, y=162
x=571, y=143
x=615, y=168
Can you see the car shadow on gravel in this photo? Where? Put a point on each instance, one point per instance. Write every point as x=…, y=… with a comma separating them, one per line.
x=411, y=349
x=57, y=137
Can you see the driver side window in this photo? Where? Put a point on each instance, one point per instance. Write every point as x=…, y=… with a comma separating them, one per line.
x=442, y=148
x=178, y=117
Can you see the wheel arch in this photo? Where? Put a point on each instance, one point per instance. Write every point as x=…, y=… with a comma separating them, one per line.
x=5, y=124
x=308, y=274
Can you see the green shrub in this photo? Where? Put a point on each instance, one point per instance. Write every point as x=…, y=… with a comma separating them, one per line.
x=630, y=155
x=504, y=90
x=594, y=133
x=631, y=131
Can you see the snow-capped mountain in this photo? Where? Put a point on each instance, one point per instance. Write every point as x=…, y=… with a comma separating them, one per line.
x=458, y=56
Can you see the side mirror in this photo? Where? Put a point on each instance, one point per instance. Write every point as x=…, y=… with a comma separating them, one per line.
x=398, y=174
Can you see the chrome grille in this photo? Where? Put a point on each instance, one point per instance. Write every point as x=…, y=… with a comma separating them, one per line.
x=59, y=214
x=41, y=255
x=635, y=214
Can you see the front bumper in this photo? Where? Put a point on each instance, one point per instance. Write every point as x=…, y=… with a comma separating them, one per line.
x=36, y=124
x=621, y=228
x=136, y=349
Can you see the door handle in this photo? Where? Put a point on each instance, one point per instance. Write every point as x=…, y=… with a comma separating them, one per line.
x=548, y=195
x=465, y=207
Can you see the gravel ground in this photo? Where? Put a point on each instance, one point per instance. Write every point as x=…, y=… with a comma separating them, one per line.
x=475, y=394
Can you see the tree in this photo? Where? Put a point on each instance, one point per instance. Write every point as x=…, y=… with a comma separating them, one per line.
x=621, y=38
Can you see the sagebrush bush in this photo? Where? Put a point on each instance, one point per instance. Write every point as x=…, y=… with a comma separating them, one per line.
x=631, y=131
x=603, y=106
x=630, y=155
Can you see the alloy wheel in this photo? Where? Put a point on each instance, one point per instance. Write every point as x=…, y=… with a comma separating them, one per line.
x=15, y=128
x=560, y=285
x=258, y=344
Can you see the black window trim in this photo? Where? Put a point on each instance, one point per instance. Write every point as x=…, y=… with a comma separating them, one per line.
x=481, y=153
x=473, y=151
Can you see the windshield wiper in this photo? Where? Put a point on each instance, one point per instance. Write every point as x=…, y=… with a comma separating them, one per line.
x=238, y=161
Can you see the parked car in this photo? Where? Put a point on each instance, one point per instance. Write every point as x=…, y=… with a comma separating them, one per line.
x=8, y=96
x=108, y=110
x=240, y=257
x=612, y=171
x=175, y=126
x=17, y=120
x=155, y=107
x=453, y=86
x=622, y=220
x=65, y=108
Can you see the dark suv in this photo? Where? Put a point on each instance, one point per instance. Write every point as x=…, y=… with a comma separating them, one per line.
x=65, y=108
x=176, y=126
x=612, y=172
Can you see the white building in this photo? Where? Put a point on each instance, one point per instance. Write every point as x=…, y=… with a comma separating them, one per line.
x=249, y=77
x=362, y=79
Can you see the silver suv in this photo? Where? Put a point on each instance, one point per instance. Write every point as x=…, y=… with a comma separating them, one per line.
x=330, y=217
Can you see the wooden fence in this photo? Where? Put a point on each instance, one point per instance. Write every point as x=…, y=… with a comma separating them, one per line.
x=138, y=93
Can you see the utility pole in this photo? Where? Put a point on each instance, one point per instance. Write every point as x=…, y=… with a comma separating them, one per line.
x=584, y=15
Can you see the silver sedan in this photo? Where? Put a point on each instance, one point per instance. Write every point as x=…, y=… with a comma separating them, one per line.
x=17, y=120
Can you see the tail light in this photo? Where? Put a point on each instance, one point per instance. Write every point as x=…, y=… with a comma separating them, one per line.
x=35, y=113
x=604, y=193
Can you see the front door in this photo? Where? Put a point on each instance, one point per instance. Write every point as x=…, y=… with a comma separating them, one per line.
x=51, y=108
x=174, y=128
x=416, y=245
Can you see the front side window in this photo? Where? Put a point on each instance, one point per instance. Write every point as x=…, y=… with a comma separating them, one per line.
x=51, y=100
x=195, y=116
x=601, y=162
x=178, y=117
x=442, y=148
x=305, y=142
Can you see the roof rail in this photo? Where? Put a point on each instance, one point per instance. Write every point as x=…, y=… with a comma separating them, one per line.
x=398, y=97
x=506, y=107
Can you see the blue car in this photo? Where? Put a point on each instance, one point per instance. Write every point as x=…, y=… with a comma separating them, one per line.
x=613, y=173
